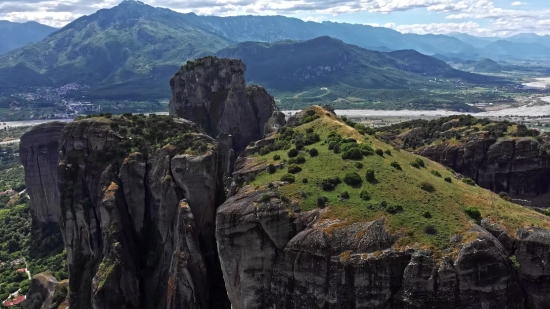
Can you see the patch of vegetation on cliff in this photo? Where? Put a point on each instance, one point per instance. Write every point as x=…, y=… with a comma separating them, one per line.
x=146, y=134
x=400, y=195
x=453, y=130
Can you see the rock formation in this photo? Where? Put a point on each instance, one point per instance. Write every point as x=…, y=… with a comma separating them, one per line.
x=39, y=156
x=212, y=93
x=149, y=220
x=46, y=293
x=275, y=256
x=139, y=221
x=511, y=165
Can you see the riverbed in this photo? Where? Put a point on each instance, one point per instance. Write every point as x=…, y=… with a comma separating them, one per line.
x=25, y=123
x=540, y=83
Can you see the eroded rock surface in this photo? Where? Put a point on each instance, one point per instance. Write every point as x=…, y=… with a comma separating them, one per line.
x=212, y=93
x=139, y=224
x=39, y=156
x=510, y=165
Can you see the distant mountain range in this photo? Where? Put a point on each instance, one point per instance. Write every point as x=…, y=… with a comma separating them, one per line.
x=132, y=49
x=15, y=35
x=325, y=61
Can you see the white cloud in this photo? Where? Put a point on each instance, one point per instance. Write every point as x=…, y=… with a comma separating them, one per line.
x=517, y=3
x=442, y=28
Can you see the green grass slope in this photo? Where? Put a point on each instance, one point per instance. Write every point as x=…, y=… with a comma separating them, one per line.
x=425, y=204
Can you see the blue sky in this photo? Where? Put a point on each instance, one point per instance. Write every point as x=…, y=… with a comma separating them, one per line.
x=477, y=17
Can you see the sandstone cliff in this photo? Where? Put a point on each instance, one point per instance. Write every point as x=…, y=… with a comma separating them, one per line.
x=513, y=165
x=138, y=200
x=39, y=156
x=212, y=93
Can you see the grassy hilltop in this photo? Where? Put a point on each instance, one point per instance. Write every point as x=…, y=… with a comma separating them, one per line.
x=420, y=199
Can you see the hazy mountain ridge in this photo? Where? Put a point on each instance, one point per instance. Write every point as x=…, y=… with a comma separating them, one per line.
x=15, y=35
x=326, y=61
x=132, y=49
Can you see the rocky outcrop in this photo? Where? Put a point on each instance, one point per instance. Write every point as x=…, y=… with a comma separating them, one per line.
x=39, y=156
x=273, y=255
x=513, y=165
x=45, y=293
x=139, y=223
x=212, y=93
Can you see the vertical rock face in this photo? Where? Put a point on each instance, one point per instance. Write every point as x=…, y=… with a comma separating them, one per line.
x=212, y=93
x=139, y=224
x=39, y=156
x=510, y=165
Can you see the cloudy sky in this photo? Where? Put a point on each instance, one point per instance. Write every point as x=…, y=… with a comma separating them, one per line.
x=477, y=17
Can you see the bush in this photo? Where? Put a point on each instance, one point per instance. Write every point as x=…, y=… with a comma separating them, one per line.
x=294, y=169
x=427, y=215
x=352, y=154
x=388, y=152
x=414, y=164
x=300, y=160
x=331, y=145
x=394, y=209
x=329, y=184
x=379, y=152
x=309, y=130
x=299, y=145
x=473, y=212
x=322, y=201
x=436, y=173
x=359, y=165
x=288, y=178
x=426, y=186
x=420, y=162
x=276, y=157
x=305, y=180
x=270, y=185
x=344, y=195
x=370, y=175
x=353, y=179
x=448, y=179
x=430, y=230
x=313, y=152
x=396, y=165
x=505, y=196
x=264, y=150
x=336, y=148
x=364, y=195
x=293, y=153
x=271, y=169
x=265, y=198
x=468, y=181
